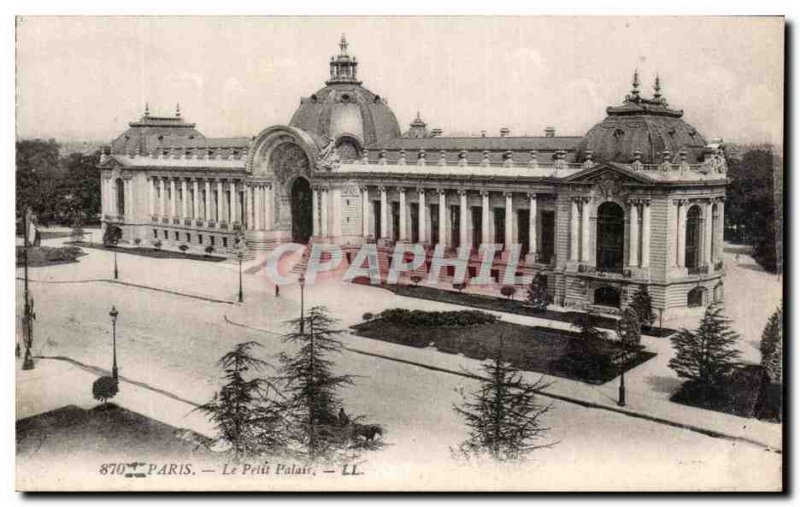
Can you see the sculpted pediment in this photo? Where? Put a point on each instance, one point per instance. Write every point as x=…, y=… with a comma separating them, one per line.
x=606, y=174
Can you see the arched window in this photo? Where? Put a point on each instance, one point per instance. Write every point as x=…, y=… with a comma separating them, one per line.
x=714, y=225
x=694, y=225
x=348, y=149
x=610, y=237
x=695, y=297
x=607, y=296
x=120, y=189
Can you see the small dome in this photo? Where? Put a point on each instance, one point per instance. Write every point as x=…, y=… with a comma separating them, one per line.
x=648, y=126
x=344, y=108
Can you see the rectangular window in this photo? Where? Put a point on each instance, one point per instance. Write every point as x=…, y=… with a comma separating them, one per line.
x=166, y=234
x=200, y=238
x=177, y=236
x=225, y=242
x=188, y=238
x=155, y=233
x=213, y=240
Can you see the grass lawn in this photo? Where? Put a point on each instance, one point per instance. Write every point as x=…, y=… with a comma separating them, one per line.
x=746, y=394
x=110, y=431
x=485, y=302
x=39, y=256
x=152, y=252
x=539, y=349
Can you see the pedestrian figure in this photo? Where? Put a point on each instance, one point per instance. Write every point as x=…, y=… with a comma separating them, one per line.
x=343, y=419
x=277, y=290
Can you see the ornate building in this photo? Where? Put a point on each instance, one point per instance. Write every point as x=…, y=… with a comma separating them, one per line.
x=638, y=200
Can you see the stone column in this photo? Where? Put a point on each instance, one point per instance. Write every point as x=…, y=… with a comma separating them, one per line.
x=267, y=202
x=249, y=201
x=462, y=212
x=314, y=212
x=403, y=233
x=128, y=197
x=708, y=232
x=365, y=212
x=720, y=226
x=184, y=199
x=220, y=201
x=532, y=226
x=233, y=200
x=173, y=202
x=681, y=233
x=336, y=212
x=485, y=217
x=196, y=199
x=258, y=207
x=324, y=214
x=207, y=207
x=586, y=230
x=645, y=262
x=443, y=217
x=573, y=231
x=162, y=205
x=384, y=213
x=151, y=189
x=633, y=253
x=509, y=239
x=422, y=227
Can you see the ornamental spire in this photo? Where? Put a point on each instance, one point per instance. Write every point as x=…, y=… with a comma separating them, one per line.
x=635, y=88
x=657, y=88
x=343, y=68
x=178, y=110
x=146, y=109
x=343, y=46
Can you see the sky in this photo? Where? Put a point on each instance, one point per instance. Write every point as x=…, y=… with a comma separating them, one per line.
x=85, y=78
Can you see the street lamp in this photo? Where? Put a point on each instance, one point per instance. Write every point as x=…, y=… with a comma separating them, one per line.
x=27, y=325
x=239, y=246
x=114, y=313
x=302, y=281
x=116, y=271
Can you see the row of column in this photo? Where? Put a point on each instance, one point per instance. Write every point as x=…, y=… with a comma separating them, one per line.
x=579, y=230
x=220, y=201
x=404, y=232
x=259, y=206
x=109, y=193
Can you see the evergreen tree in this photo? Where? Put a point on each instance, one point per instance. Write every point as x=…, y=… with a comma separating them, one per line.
x=538, y=297
x=244, y=415
x=706, y=355
x=503, y=416
x=772, y=347
x=311, y=386
x=629, y=336
x=642, y=304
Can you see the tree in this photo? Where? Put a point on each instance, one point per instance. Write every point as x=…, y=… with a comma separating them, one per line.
x=772, y=347
x=112, y=235
x=503, y=415
x=311, y=388
x=629, y=336
x=209, y=250
x=243, y=412
x=183, y=248
x=508, y=291
x=586, y=325
x=105, y=388
x=538, y=297
x=642, y=304
x=157, y=244
x=38, y=176
x=706, y=355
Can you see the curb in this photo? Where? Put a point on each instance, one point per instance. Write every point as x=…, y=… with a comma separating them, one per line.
x=560, y=397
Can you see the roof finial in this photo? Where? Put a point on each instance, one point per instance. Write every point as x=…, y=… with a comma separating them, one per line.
x=635, y=89
x=343, y=45
x=146, y=109
x=178, y=110
x=657, y=88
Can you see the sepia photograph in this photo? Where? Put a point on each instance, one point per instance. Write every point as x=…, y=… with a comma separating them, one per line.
x=399, y=253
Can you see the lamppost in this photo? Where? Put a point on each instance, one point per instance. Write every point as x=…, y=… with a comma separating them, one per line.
x=302, y=281
x=114, y=313
x=116, y=271
x=27, y=325
x=239, y=246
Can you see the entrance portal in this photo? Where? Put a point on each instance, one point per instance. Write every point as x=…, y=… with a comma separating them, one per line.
x=302, y=213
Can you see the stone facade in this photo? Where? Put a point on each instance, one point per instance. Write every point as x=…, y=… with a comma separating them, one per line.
x=597, y=218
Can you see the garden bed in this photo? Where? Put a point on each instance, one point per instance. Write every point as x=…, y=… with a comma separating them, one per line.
x=152, y=252
x=746, y=394
x=39, y=256
x=497, y=304
x=538, y=349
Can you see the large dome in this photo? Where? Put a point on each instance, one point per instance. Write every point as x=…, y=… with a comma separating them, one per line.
x=345, y=109
x=642, y=125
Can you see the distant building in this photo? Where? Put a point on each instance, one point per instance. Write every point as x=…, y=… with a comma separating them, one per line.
x=638, y=200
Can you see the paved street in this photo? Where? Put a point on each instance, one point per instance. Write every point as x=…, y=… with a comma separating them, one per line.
x=171, y=342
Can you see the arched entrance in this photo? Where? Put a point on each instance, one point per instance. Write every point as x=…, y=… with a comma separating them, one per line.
x=607, y=296
x=693, y=228
x=302, y=213
x=610, y=237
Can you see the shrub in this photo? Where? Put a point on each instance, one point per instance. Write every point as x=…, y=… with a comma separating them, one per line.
x=137, y=241
x=112, y=235
x=157, y=244
x=538, y=297
x=415, y=279
x=367, y=316
x=508, y=291
x=183, y=248
x=420, y=318
x=105, y=388
x=459, y=286
x=209, y=249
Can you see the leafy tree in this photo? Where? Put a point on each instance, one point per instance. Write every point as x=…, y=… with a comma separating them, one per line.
x=157, y=244
x=311, y=387
x=642, y=304
x=538, y=297
x=112, y=235
x=586, y=325
x=81, y=181
x=706, y=355
x=508, y=291
x=772, y=347
x=503, y=415
x=105, y=388
x=245, y=416
x=38, y=176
